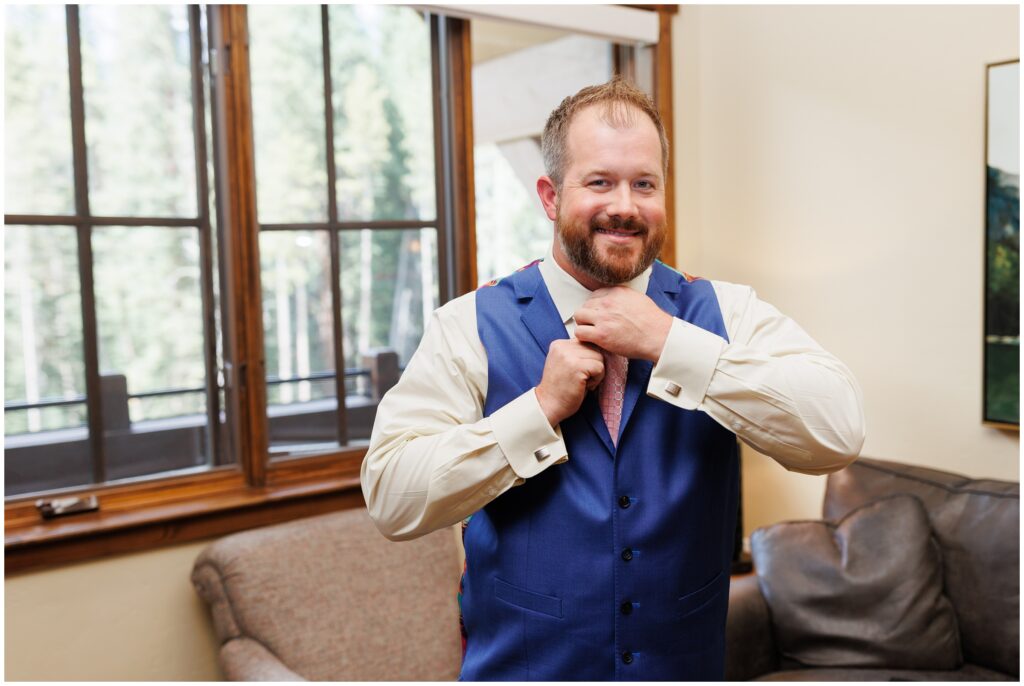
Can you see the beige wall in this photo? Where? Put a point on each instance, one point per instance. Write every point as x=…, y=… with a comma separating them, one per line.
x=131, y=617
x=833, y=157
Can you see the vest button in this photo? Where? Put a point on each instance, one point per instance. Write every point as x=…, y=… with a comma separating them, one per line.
x=627, y=657
x=624, y=501
x=626, y=608
x=627, y=554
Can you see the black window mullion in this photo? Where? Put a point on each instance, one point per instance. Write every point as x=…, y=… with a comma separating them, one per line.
x=93, y=398
x=372, y=224
x=333, y=240
x=214, y=451
x=42, y=219
x=386, y=225
x=168, y=222
x=339, y=347
x=444, y=149
x=89, y=220
x=332, y=200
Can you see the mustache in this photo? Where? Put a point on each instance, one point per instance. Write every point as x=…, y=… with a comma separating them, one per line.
x=620, y=224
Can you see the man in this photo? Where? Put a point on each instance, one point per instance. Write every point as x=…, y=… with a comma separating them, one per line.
x=583, y=411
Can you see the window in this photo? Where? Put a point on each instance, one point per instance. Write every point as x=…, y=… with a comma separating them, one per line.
x=346, y=199
x=111, y=358
x=225, y=228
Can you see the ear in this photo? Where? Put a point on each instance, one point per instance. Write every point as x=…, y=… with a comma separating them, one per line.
x=548, y=196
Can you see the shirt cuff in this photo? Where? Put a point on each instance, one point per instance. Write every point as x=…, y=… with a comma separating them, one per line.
x=526, y=438
x=683, y=373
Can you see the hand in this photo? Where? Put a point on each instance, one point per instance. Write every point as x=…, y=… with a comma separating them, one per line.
x=570, y=370
x=625, y=322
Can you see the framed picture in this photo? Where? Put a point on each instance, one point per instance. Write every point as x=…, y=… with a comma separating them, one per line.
x=1002, y=246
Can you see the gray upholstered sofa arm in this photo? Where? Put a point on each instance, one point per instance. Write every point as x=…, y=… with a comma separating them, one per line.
x=749, y=646
x=243, y=659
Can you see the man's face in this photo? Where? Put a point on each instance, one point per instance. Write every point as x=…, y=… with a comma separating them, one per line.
x=610, y=211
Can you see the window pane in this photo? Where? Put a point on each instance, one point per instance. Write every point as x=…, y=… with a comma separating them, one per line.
x=510, y=108
x=383, y=112
x=138, y=110
x=299, y=339
x=389, y=286
x=44, y=447
x=286, y=61
x=645, y=69
x=37, y=130
x=511, y=227
x=149, y=314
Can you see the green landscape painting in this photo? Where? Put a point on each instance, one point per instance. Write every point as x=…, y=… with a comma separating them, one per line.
x=1002, y=246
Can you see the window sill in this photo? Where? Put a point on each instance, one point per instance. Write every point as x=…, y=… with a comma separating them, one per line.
x=139, y=517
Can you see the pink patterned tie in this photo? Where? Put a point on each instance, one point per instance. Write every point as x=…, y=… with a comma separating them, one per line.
x=611, y=392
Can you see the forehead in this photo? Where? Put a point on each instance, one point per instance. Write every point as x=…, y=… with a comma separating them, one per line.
x=617, y=136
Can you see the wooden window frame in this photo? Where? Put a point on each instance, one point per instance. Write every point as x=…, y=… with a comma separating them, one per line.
x=163, y=510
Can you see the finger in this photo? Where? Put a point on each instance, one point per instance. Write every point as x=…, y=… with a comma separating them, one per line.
x=587, y=333
x=590, y=351
x=594, y=369
x=586, y=315
x=593, y=347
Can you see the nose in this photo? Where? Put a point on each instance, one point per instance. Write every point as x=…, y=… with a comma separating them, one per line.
x=621, y=203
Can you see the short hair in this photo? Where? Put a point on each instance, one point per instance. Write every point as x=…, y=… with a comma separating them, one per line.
x=621, y=99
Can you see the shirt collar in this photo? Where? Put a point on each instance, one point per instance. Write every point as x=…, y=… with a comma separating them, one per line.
x=569, y=294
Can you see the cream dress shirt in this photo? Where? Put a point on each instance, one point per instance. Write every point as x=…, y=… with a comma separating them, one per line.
x=434, y=459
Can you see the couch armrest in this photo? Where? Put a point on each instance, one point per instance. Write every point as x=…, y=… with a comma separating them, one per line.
x=244, y=659
x=749, y=644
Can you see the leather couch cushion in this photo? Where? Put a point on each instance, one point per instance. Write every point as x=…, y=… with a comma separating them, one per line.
x=866, y=592
x=977, y=524
x=968, y=672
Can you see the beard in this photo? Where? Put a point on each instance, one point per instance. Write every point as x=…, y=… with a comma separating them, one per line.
x=618, y=264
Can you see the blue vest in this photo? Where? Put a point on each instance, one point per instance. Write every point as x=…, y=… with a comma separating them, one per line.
x=615, y=564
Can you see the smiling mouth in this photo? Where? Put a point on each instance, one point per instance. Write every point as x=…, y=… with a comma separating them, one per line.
x=623, y=233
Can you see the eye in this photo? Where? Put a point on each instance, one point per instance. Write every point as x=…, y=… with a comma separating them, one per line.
x=645, y=185
x=599, y=183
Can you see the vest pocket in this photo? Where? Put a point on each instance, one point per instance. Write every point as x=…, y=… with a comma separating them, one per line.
x=701, y=617
x=696, y=600
x=528, y=600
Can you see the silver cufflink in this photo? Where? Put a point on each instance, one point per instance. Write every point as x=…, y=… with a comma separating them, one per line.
x=542, y=454
x=672, y=389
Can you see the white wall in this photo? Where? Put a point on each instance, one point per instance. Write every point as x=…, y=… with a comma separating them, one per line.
x=833, y=157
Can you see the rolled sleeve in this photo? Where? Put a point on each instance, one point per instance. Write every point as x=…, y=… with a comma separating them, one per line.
x=683, y=373
x=526, y=438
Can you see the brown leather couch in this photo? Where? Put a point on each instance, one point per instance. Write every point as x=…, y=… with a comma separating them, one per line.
x=912, y=575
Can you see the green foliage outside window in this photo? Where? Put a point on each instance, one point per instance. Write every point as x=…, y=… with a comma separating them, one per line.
x=384, y=164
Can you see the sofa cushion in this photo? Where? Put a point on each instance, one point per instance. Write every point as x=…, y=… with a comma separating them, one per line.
x=866, y=592
x=977, y=524
x=968, y=672
x=332, y=599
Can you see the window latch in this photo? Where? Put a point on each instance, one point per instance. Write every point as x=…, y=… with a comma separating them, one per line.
x=60, y=507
